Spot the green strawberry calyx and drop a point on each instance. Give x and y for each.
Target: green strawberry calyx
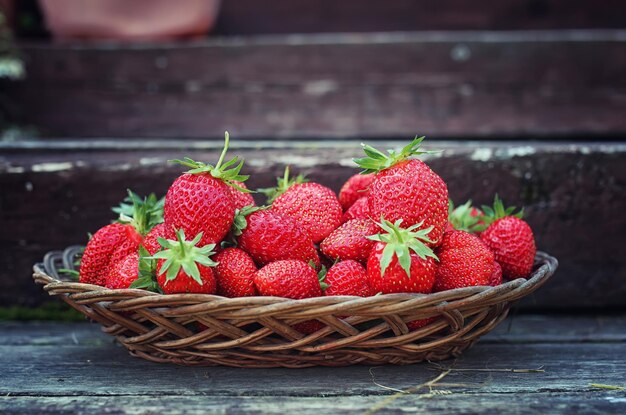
(146, 278)
(375, 160)
(321, 275)
(462, 219)
(498, 211)
(240, 221)
(399, 242)
(222, 170)
(184, 254)
(144, 214)
(282, 185)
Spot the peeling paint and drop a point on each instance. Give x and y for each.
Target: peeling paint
(481, 154)
(118, 167)
(49, 167)
(518, 151)
(320, 87)
(300, 161)
(347, 163)
(15, 169)
(146, 161)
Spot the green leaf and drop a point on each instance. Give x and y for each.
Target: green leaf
(375, 160)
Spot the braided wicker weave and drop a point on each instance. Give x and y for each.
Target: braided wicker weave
(258, 331)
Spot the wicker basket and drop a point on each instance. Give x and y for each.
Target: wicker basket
(258, 331)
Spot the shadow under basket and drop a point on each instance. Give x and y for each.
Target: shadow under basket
(202, 329)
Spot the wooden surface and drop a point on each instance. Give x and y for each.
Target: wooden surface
(449, 84)
(287, 16)
(73, 368)
(574, 194)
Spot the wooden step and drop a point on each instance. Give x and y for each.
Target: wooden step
(573, 194)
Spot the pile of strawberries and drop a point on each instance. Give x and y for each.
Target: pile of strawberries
(391, 229)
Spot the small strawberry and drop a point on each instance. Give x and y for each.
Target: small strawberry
(313, 206)
(466, 218)
(235, 273)
(406, 189)
(269, 236)
(354, 188)
(124, 272)
(464, 261)
(347, 278)
(200, 200)
(496, 276)
(241, 199)
(511, 240)
(184, 267)
(401, 261)
(114, 242)
(289, 279)
(349, 241)
(359, 210)
(151, 241)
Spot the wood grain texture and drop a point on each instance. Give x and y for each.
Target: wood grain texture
(51, 199)
(478, 84)
(72, 368)
(285, 16)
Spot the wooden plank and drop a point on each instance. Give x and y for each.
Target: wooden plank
(352, 85)
(284, 16)
(595, 402)
(48, 201)
(109, 370)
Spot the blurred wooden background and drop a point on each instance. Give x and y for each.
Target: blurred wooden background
(527, 98)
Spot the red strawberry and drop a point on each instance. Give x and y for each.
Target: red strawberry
(354, 188)
(290, 279)
(359, 210)
(347, 278)
(97, 255)
(241, 199)
(269, 236)
(464, 261)
(511, 240)
(418, 324)
(200, 200)
(349, 241)
(235, 273)
(184, 267)
(466, 218)
(400, 262)
(496, 276)
(114, 242)
(122, 273)
(162, 230)
(406, 189)
(313, 206)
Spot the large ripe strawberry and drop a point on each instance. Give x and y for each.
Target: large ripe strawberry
(235, 273)
(406, 189)
(347, 278)
(464, 261)
(400, 261)
(354, 188)
(359, 210)
(289, 278)
(511, 240)
(349, 241)
(269, 236)
(313, 206)
(241, 199)
(200, 201)
(114, 242)
(185, 267)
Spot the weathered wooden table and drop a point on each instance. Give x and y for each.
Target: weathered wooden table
(530, 363)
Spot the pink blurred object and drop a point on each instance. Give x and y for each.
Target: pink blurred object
(129, 19)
